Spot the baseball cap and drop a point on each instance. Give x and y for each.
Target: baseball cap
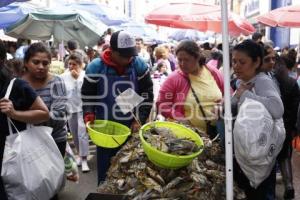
(123, 43)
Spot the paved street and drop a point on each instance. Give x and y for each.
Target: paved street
(87, 181)
(296, 169)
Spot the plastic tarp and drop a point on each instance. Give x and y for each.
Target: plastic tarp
(6, 2)
(102, 12)
(14, 12)
(61, 23)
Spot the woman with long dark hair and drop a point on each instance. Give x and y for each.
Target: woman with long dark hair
(50, 87)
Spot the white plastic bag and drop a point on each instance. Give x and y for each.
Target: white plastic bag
(32, 167)
(258, 140)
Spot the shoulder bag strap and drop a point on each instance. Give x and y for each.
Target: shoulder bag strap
(198, 102)
(7, 94)
(9, 88)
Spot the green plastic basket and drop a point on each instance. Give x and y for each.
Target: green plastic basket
(108, 134)
(166, 160)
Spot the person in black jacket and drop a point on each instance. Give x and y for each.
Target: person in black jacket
(290, 96)
(275, 66)
(23, 106)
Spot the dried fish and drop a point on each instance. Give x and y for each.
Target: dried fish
(121, 184)
(126, 157)
(132, 192)
(155, 175)
(199, 178)
(148, 182)
(211, 164)
(172, 183)
(166, 141)
(131, 172)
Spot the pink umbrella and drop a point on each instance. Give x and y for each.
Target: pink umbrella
(197, 16)
(284, 17)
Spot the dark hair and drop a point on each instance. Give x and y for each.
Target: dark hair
(220, 46)
(282, 76)
(266, 49)
(160, 64)
(206, 46)
(109, 31)
(252, 49)
(256, 36)
(77, 57)
(292, 54)
(72, 44)
(5, 73)
(192, 49)
(36, 48)
(16, 66)
(217, 55)
(289, 61)
(280, 69)
(139, 39)
(2, 52)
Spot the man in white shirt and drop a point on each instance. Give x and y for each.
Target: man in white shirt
(142, 52)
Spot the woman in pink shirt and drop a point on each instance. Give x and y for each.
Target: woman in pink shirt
(178, 101)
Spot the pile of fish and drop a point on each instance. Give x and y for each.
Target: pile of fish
(132, 174)
(166, 141)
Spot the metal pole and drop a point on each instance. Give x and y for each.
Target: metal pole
(227, 100)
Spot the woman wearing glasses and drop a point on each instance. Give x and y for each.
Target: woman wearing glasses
(50, 88)
(276, 68)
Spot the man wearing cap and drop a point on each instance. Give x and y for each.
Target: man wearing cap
(117, 69)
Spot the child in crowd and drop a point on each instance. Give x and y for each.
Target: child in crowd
(73, 79)
(159, 76)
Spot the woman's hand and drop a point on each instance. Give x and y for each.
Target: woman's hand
(217, 110)
(242, 88)
(74, 73)
(7, 107)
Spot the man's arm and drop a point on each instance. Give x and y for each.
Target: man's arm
(89, 88)
(146, 91)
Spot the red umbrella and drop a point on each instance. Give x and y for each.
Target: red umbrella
(197, 16)
(284, 17)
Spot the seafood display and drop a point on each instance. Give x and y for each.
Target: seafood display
(132, 174)
(166, 141)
